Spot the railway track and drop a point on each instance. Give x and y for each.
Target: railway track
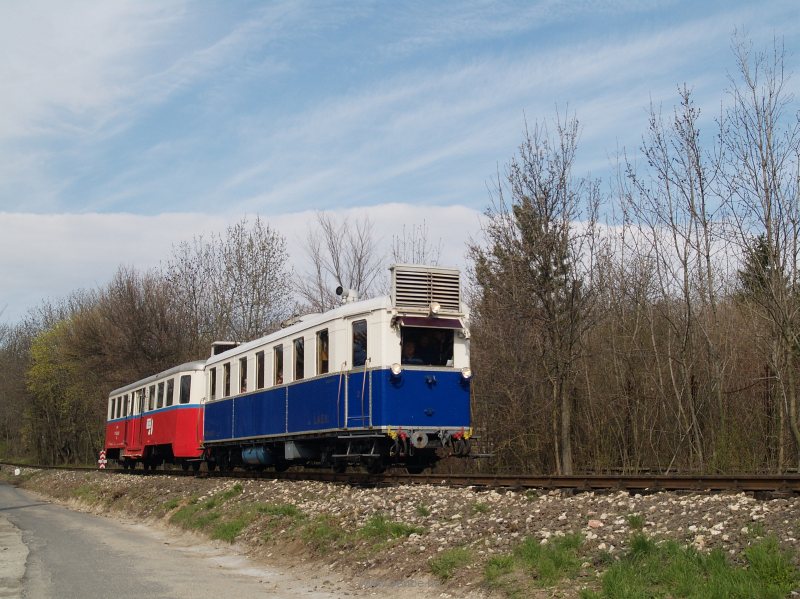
(782, 484)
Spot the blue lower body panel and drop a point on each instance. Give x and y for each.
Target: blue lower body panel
(355, 401)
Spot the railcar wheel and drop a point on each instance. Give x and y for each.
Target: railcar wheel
(415, 468)
(340, 466)
(185, 466)
(195, 466)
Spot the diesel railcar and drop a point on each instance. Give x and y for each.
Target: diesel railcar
(373, 383)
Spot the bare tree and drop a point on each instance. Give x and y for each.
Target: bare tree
(236, 285)
(762, 175)
(341, 253)
(413, 246)
(537, 269)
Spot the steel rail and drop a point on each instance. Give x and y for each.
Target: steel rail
(781, 483)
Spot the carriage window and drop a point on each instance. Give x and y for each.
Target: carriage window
(359, 343)
(213, 383)
(260, 370)
(160, 402)
(226, 378)
(170, 391)
(322, 351)
(152, 401)
(278, 364)
(110, 411)
(426, 346)
(299, 359)
(242, 375)
(186, 387)
(125, 405)
(140, 401)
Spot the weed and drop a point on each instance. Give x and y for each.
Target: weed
(286, 510)
(322, 532)
(88, 493)
(379, 528)
(447, 562)
(170, 505)
(553, 561)
(497, 567)
(230, 529)
(480, 507)
(636, 521)
(756, 529)
(423, 511)
(667, 569)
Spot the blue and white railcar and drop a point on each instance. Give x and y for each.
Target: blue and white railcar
(379, 382)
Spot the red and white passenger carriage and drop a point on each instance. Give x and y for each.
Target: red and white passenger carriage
(158, 419)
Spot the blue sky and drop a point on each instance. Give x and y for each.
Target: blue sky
(127, 126)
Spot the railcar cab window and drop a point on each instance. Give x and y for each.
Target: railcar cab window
(152, 401)
(213, 383)
(160, 403)
(359, 343)
(226, 378)
(278, 350)
(170, 391)
(426, 346)
(119, 406)
(299, 358)
(260, 370)
(322, 351)
(186, 387)
(125, 407)
(140, 401)
(242, 375)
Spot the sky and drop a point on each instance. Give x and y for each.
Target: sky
(129, 126)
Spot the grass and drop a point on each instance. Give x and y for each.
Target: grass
(423, 511)
(279, 510)
(636, 521)
(378, 528)
(448, 561)
(666, 569)
(88, 493)
(206, 515)
(323, 532)
(535, 564)
(480, 507)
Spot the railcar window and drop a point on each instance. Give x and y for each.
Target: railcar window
(242, 375)
(299, 359)
(278, 364)
(119, 406)
(426, 346)
(186, 387)
(140, 401)
(260, 370)
(125, 405)
(226, 378)
(170, 391)
(152, 401)
(213, 383)
(322, 351)
(359, 343)
(160, 402)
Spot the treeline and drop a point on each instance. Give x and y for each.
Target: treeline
(651, 326)
(665, 337)
(60, 363)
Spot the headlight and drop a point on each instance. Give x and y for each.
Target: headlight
(466, 372)
(396, 369)
(435, 307)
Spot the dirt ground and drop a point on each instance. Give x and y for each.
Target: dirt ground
(401, 538)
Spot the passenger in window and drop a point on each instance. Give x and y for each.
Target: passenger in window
(409, 355)
(426, 351)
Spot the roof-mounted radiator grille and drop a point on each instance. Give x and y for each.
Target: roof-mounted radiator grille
(417, 286)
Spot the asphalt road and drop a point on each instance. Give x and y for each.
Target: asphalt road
(48, 551)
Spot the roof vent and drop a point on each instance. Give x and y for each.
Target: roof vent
(418, 287)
